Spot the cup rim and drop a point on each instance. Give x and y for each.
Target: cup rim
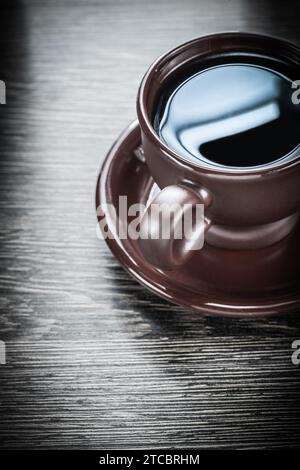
(147, 126)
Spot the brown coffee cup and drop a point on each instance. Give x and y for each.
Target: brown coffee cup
(245, 209)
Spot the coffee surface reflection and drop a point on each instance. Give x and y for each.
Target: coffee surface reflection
(234, 115)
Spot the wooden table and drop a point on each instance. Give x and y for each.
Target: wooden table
(93, 360)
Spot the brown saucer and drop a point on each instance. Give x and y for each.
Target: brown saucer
(256, 282)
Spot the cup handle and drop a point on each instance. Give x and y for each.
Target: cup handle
(170, 253)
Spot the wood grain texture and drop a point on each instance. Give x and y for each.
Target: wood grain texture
(94, 361)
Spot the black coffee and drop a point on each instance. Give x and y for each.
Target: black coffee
(238, 115)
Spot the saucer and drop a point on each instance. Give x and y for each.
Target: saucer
(253, 283)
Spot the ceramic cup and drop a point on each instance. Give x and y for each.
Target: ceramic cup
(246, 209)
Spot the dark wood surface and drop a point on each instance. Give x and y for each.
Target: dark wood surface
(93, 360)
